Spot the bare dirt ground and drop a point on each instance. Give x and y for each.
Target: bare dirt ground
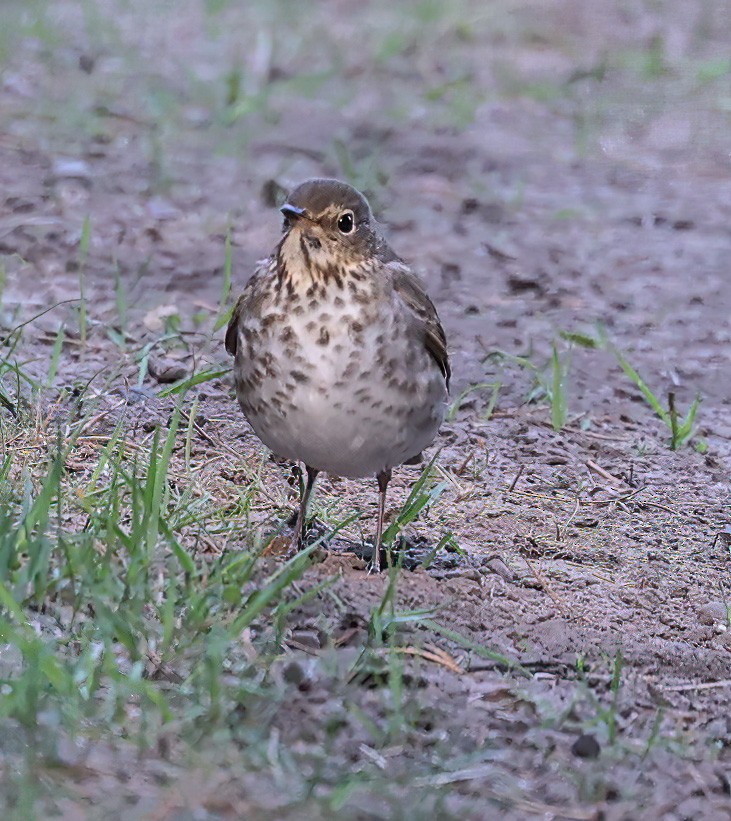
(547, 167)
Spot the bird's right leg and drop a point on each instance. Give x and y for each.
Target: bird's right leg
(384, 477)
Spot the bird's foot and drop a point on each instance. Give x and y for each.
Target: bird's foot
(376, 561)
(314, 531)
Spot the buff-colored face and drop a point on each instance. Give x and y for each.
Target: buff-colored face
(327, 221)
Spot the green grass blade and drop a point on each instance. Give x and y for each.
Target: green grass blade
(416, 501)
(192, 381)
(83, 253)
(645, 390)
(224, 314)
(685, 430)
(55, 355)
(559, 408)
(455, 406)
(476, 648)
(273, 587)
(582, 340)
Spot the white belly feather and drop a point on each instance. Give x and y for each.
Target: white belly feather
(357, 411)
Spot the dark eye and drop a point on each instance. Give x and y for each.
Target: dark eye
(346, 222)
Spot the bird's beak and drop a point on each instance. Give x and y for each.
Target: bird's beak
(292, 211)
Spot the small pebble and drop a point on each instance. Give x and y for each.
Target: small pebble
(497, 565)
(586, 746)
(166, 370)
(293, 673)
(713, 612)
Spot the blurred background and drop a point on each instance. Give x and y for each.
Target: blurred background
(545, 166)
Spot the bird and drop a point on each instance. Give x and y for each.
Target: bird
(340, 358)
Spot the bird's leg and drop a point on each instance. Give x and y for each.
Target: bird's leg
(298, 539)
(384, 477)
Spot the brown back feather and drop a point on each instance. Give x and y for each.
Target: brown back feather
(412, 291)
(250, 300)
(232, 331)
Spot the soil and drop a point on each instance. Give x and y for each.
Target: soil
(579, 191)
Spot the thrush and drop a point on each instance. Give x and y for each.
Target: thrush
(340, 360)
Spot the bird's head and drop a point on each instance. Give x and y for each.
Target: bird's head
(326, 223)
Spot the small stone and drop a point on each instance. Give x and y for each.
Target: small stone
(64, 167)
(293, 673)
(166, 370)
(713, 612)
(586, 746)
(356, 562)
(309, 639)
(498, 566)
(86, 63)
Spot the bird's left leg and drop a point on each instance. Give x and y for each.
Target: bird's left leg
(384, 477)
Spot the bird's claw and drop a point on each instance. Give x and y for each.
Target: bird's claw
(375, 565)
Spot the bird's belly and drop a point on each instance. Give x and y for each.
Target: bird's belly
(350, 440)
(349, 412)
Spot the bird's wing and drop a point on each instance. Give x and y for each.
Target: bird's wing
(413, 294)
(249, 301)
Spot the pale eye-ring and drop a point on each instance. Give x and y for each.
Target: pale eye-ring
(346, 222)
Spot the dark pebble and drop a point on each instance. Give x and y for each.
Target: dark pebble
(586, 746)
(293, 673)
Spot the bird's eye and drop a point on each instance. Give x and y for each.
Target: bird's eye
(346, 222)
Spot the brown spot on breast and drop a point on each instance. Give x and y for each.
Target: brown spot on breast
(271, 319)
(298, 376)
(324, 337)
(310, 326)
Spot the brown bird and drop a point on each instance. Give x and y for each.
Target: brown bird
(340, 357)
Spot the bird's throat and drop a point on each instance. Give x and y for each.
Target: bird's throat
(305, 261)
